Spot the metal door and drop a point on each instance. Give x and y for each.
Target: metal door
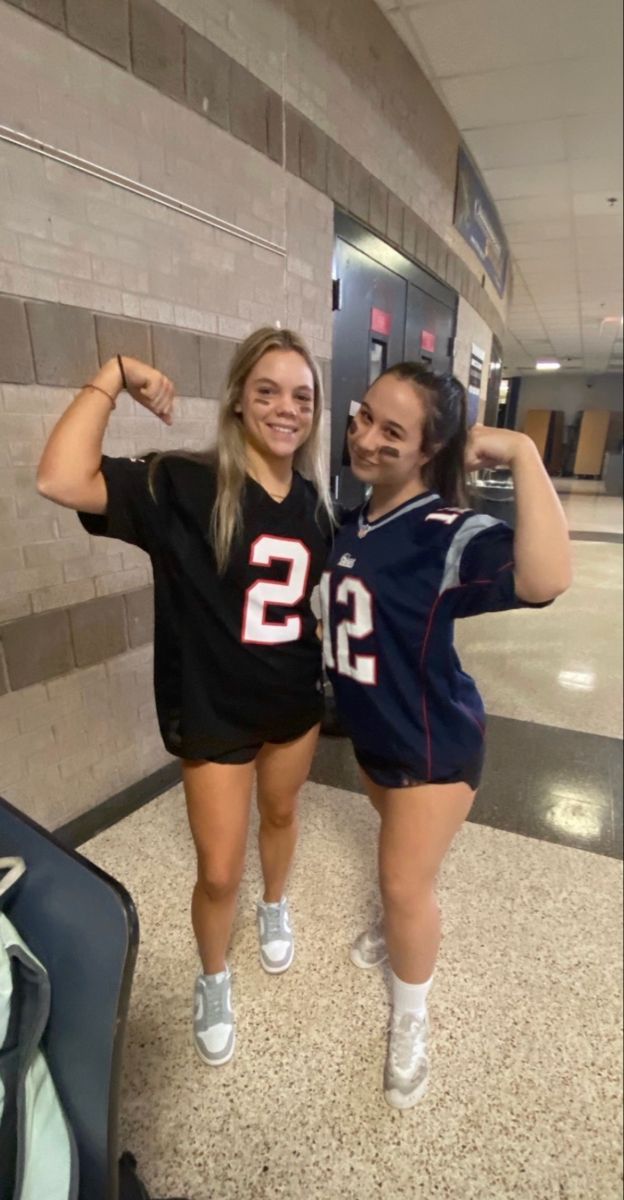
(429, 329)
(369, 333)
(386, 309)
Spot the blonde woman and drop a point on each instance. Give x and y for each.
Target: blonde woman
(238, 538)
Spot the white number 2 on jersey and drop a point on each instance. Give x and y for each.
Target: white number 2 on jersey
(264, 552)
(350, 591)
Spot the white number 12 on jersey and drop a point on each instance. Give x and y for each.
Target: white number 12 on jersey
(350, 591)
(264, 552)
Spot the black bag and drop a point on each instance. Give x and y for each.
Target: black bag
(130, 1186)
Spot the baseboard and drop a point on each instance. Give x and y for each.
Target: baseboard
(77, 831)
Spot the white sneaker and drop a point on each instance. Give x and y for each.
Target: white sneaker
(277, 944)
(213, 1024)
(406, 1073)
(369, 949)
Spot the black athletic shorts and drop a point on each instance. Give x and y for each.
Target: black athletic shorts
(400, 775)
(247, 752)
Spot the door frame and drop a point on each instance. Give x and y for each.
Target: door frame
(361, 238)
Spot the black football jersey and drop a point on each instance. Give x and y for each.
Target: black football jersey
(237, 659)
(390, 596)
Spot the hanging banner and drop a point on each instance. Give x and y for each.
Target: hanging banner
(478, 222)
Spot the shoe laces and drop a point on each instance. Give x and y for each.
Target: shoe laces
(215, 1002)
(273, 917)
(406, 1044)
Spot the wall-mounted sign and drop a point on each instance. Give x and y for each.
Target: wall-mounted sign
(428, 342)
(478, 222)
(477, 358)
(381, 322)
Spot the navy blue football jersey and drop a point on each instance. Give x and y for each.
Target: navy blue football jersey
(237, 659)
(390, 596)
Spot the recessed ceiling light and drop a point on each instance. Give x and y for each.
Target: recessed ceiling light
(547, 366)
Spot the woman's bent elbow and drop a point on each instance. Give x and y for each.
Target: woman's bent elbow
(545, 591)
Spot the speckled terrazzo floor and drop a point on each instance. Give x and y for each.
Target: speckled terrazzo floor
(525, 1096)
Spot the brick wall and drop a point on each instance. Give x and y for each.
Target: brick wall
(251, 112)
(344, 68)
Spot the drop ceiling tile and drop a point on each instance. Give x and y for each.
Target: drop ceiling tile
(485, 34)
(529, 144)
(547, 179)
(595, 136)
(594, 174)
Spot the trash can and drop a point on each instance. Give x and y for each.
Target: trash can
(492, 492)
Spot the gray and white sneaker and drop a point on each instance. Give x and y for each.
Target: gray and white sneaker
(277, 944)
(407, 1063)
(369, 949)
(213, 1024)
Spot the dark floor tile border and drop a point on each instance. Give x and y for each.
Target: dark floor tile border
(530, 769)
(79, 830)
(497, 804)
(582, 535)
(160, 49)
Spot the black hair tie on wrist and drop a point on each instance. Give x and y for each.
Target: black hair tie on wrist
(124, 381)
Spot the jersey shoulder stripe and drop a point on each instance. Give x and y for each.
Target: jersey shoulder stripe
(471, 527)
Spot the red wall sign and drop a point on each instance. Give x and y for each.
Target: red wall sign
(381, 322)
(428, 342)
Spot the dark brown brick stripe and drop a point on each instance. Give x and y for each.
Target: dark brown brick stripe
(63, 345)
(152, 43)
(43, 646)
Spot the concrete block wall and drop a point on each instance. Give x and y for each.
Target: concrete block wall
(472, 330)
(253, 113)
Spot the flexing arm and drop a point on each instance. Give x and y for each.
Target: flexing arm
(69, 471)
(542, 564)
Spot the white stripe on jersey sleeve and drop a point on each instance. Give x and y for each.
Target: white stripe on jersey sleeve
(472, 526)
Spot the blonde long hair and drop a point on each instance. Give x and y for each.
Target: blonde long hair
(229, 454)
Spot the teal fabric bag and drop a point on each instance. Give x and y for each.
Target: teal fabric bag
(38, 1155)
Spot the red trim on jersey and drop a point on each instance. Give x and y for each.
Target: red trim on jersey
(458, 587)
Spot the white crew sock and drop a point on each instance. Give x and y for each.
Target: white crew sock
(409, 997)
(218, 978)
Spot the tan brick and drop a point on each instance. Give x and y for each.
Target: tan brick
(35, 718)
(8, 508)
(60, 259)
(80, 762)
(88, 567)
(57, 551)
(9, 729)
(27, 578)
(24, 454)
(11, 558)
(42, 763)
(15, 607)
(62, 691)
(64, 594)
